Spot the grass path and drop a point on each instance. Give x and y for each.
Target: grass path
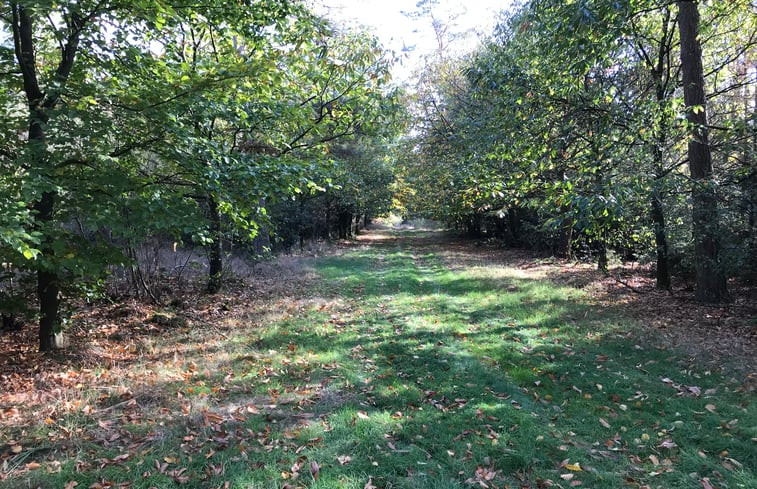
(408, 364)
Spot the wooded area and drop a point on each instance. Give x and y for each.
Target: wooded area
(585, 128)
(588, 127)
(155, 155)
(252, 123)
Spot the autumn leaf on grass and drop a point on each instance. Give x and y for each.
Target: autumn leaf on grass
(667, 443)
(604, 423)
(315, 470)
(710, 407)
(369, 484)
(344, 459)
(178, 475)
(363, 415)
(706, 483)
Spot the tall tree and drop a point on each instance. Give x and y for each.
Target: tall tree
(711, 281)
(39, 104)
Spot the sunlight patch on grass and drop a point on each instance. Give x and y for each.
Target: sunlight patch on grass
(398, 370)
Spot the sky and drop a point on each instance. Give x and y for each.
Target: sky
(412, 37)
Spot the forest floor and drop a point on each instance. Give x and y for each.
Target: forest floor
(403, 359)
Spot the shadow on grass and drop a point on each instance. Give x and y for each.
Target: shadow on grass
(426, 377)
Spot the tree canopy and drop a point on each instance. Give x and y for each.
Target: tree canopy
(568, 131)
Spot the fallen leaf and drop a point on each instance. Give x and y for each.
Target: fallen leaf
(573, 467)
(369, 484)
(667, 443)
(344, 459)
(16, 449)
(710, 407)
(362, 415)
(706, 483)
(315, 470)
(604, 423)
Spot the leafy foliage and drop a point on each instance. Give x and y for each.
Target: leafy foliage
(565, 131)
(164, 119)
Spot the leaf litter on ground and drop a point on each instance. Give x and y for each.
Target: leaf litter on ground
(415, 362)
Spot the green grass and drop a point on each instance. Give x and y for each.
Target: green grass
(397, 369)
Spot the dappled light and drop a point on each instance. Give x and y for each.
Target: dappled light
(254, 244)
(401, 359)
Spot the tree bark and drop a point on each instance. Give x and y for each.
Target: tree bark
(603, 264)
(215, 249)
(47, 280)
(661, 242)
(710, 279)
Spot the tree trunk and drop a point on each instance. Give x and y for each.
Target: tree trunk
(710, 279)
(513, 226)
(565, 237)
(658, 211)
(39, 103)
(47, 281)
(215, 249)
(603, 264)
(344, 224)
(661, 242)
